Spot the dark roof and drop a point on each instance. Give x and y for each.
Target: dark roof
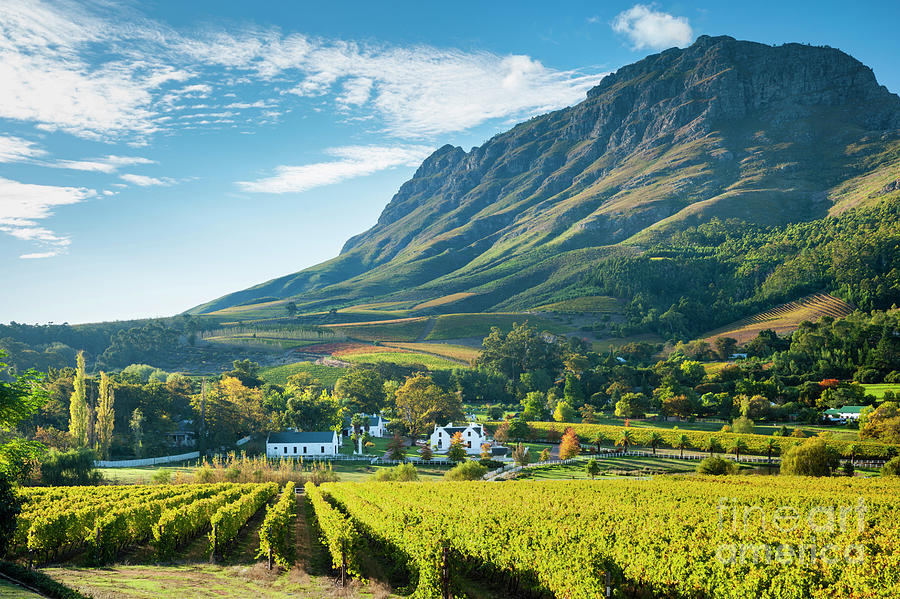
(373, 421)
(308, 437)
(452, 430)
(499, 451)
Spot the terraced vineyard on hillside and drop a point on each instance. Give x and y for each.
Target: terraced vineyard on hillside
(784, 318)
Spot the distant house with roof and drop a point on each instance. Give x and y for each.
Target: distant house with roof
(375, 427)
(292, 444)
(844, 414)
(183, 435)
(473, 437)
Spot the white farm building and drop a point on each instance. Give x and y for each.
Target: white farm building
(291, 444)
(473, 437)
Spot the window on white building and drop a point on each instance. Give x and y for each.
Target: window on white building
(285, 449)
(304, 449)
(295, 449)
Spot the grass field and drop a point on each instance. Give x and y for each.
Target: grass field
(878, 389)
(278, 375)
(594, 304)
(142, 475)
(402, 358)
(356, 472)
(784, 318)
(12, 591)
(443, 301)
(459, 326)
(258, 340)
(453, 352)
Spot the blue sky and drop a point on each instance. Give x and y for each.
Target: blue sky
(155, 155)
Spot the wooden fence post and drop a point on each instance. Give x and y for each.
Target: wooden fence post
(608, 584)
(343, 568)
(270, 558)
(215, 538)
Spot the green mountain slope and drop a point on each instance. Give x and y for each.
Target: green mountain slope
(723, 129)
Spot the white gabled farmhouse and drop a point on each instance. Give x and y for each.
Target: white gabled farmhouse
(472, 435)
(290, 444)
(375, 425)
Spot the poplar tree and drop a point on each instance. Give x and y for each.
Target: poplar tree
(79, 416)
(105, 414)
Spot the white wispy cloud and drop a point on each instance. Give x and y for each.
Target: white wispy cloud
(16, 149)
(646, 27)
(426, 91)
(350, 162)
(22, 205)
(53, 77)
(38, 255)
(145, 181)
(108, 164)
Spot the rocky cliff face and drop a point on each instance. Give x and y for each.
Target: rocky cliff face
(722, 128)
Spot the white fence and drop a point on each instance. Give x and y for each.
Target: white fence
(146, 461)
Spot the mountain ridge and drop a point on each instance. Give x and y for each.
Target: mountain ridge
(721, 129)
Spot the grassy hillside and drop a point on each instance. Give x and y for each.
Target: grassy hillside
(563, 212)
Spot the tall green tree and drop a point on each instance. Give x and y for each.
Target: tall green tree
(21, 396)
(136, 424)
(105, 415)
(79, 413)
(420, 404)
(523, 349)
(361, 390)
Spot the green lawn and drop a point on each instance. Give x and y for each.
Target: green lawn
(381, 444)
(12, 591)
(404, 359)
(878, 389)
(278, 375)
(142, 475)
(201, 580)
(355, 472)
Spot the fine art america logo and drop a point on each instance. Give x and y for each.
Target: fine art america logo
(815, 525)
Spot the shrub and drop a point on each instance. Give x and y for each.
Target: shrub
(848, 468)
(743, 425)
(867, 375)
(203, 474)
(891, 468)
(466, 471)
(10, 506)
(75, 467)
(491, 464)
(399, 473)
(892, 377)
(812, 458)
(162, 477)
(716, 465)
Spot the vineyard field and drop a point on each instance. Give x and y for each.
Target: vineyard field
(784, 318)
(665, 537)
(101, 521)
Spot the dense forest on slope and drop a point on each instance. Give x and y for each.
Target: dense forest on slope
(723, 270)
